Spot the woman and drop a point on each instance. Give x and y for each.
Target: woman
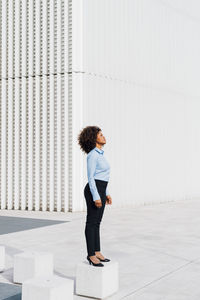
(91, 141)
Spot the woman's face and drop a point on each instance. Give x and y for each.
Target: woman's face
(101, 138)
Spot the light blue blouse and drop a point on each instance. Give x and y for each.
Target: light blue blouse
(97, 168)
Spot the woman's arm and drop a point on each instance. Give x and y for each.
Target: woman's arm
(107, 192)
(91, 167)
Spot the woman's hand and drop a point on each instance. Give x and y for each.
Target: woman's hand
(109, 199)
(98, 203)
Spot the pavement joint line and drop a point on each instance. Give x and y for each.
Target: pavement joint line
(158, 279)
(160, 252)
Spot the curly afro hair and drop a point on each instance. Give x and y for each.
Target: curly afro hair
(87, 138)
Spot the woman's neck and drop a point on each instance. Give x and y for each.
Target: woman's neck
(99, 147)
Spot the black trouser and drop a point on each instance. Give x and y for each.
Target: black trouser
(94, 216)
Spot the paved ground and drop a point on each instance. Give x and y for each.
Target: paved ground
(10, 291)
(157, 246)
(14, 224)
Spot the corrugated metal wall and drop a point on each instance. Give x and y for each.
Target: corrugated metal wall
(34, 89)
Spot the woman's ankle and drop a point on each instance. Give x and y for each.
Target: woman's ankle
(94, 258)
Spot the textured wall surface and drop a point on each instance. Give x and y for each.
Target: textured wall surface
(33, 104)
(128, 66)
(141, 72)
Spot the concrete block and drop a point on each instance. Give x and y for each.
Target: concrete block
(48, 288)
(2, 258)
(30, 264)
(97, 282)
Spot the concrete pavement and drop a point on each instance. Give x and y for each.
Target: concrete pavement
(157, 246)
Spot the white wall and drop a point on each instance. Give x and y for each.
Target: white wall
(34, 105)
(141, 86)
(128, 66)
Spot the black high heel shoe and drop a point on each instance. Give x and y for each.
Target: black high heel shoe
(96, 265)
(105, 260)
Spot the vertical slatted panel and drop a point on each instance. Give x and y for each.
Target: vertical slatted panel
(65, 128)
(51, 107)
(59, 105)
(70, 101)
(16, 115)
(30, 28)
(3, 104)
(10, 107)
(34, 105)
(44, 39)
(23, 12)
(0, 88)
(37, 104)
(55, 70)
(59, 101)
(0, 98)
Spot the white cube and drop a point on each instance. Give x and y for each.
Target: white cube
(2, 258)
(48, 288)
(97, 282)
(32, 264)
